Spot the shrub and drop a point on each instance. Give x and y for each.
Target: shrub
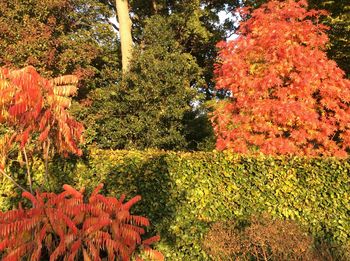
(34, 118)
(64, 226)
(264, 239)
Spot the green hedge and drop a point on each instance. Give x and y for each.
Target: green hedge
(183, 193)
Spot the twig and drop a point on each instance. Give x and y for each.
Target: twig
(12, 180)
(46, 163)
(28, 171)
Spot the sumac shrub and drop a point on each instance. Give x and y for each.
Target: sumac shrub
(66, 226)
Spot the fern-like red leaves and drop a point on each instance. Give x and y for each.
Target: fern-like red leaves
(64, 226)
(33, 107)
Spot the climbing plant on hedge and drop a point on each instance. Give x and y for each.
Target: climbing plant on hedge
(286, 96)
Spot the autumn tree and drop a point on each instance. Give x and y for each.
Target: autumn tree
(339, 22)
(286, 97)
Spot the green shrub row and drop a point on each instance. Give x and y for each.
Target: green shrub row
(183, 193)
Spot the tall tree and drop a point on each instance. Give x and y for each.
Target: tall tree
(76, 36)
(286, 96)
(134, 111)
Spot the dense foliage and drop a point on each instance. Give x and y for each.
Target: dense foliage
(75, 36)
(65, 226)
(183, 193)
(338, 19)
(58, 37)
(286, 96)
(172, 69)
(34, 112)
(149, 108)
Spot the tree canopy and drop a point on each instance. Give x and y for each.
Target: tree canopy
(287, 97)
(338, 20)
(59, 37)
(174, 55)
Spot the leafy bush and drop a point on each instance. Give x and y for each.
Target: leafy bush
(35, 109)
(34, 118)
(34, 113)
(65, 226)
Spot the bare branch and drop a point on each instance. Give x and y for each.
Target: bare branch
(12, 180)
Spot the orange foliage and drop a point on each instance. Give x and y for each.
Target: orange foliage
(286, 96)
(33, 107)
(64, 226)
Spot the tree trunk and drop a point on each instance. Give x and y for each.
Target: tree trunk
(125, 33)
(154, 6)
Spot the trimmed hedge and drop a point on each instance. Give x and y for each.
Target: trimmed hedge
(183, 193)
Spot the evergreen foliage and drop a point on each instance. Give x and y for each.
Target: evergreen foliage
(174, 56)
(148, 108)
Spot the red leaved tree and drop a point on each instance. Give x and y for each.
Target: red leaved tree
(65, 227)
(286, 96)
(33, 110)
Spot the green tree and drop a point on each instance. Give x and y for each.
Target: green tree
(76, 36)
(147, 108)
(172, 69)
